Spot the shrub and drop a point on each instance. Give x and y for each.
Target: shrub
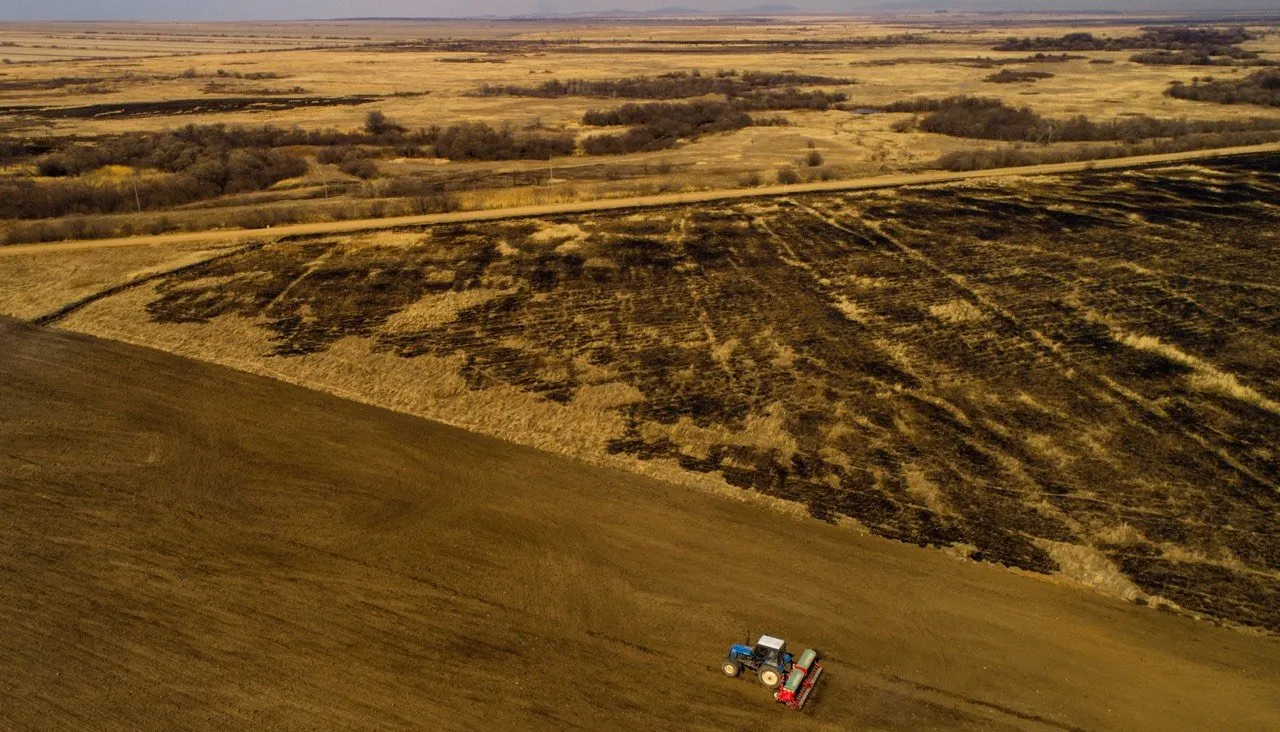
(788, 176)
(193, 174)
(479, 141)
(788, 99)
(659, 125)
(1260, 87)
(690, 115)
(377, 123)
(813, 159)
(911, 124)
(334, 155)
(749, 180)
(1007, 76)
(634, 140)
(53, 166)
(1197, 57)
(965, 116)
(360, 167)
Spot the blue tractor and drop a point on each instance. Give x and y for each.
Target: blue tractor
(768, 660)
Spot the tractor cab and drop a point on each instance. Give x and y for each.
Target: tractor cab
(771, 651)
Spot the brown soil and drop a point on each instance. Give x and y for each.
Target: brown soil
(190, 546)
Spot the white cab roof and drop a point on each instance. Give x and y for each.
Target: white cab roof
(769, 641)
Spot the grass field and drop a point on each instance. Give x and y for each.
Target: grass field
(422, 75)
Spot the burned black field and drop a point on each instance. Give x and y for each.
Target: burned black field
(1075, 374)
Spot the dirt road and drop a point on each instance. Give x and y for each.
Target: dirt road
(859, 184)
(191, 546)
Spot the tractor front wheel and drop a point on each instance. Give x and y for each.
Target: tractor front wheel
(731, 667)
(770, 677)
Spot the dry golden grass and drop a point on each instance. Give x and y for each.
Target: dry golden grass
(1204, 376)
(1085, 565)
(435, 310)
(924, 489)
(762, 430)
(34, 284)
(956, 311)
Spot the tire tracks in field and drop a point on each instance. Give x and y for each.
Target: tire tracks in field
(680, 234)
(942, 697)
(1175, 285)
(310, 267)
(1051, 347)
(62, 312)
(1166, 280)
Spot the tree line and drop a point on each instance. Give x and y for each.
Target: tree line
(1159, 45)
(660, 125)
(1260, 87)
(991, 119)
(674, 85)
(1225, 41)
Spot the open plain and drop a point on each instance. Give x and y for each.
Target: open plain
(827, 99)
(507, 380)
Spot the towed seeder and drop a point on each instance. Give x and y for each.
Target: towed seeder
(776, 668)
(800, 680)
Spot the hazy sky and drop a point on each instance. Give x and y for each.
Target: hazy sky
(298, 9)
(291, 9)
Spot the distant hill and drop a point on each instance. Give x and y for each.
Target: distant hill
(675, 10)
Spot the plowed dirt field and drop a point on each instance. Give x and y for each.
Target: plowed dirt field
(188, 546)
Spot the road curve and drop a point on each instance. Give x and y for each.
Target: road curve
(666, 199)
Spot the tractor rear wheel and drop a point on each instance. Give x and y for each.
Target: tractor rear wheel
(770, 677)
(731, 667)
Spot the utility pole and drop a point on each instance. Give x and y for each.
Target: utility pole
(136, 198)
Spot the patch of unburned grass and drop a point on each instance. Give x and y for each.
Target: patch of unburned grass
(438, 309)
(956, 311)
(1204, 376)
(34, 284)
(1085, 565)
